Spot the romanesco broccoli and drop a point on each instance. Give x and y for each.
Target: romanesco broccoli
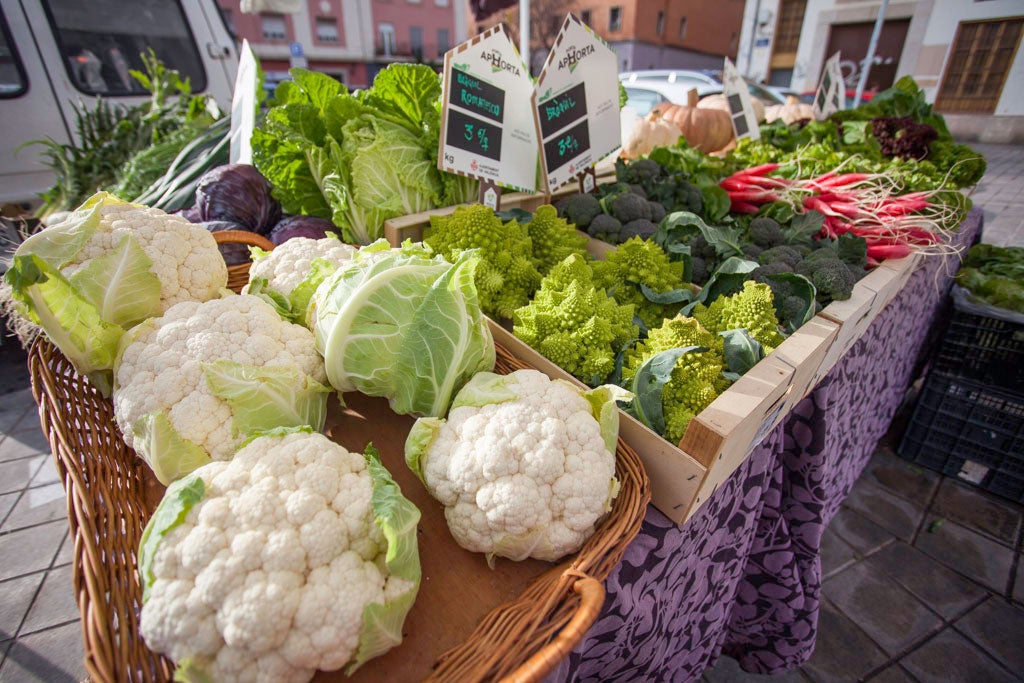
(574, 323)
(752, 309)
(506, 276)
(696, 379)
(553, 239)
(639, 262)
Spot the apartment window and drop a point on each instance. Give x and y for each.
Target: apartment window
(682, 29)
(585, 17)
(978, 65)
(327, 29)
(661, 23)
(387, 39)
(787, 28)
(615, 19)
(273, 27)
(443, 44)
(416, 41)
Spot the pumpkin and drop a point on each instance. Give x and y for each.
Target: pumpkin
(719, 101)
(708, 130)
(792, 111)
(646, 135)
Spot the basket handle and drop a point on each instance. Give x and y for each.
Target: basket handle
(591, 592)
(243, 237)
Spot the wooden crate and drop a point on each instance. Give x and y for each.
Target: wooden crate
(804, 351)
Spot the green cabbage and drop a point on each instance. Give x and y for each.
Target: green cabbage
(402, 324)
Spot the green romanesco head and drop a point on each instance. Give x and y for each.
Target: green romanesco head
(506, 276)
(696, 378)
(752, 309)
(574, 323)
(639, 262)
(553, 238)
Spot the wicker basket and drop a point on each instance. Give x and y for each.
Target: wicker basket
(111, 493)
(238, 275)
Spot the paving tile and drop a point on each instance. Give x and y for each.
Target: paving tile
(978, 510)
(13, 407)
(951, 657)
(24, 443)
(727, 670)
(55, 603)
(998, 627)
(942, 589)
(47, 474)
(17, 598)
(54, 656)
(836, 554)
(896, 515)
(968, 552)
(894, 674)
(859, 532)
(30, 550)
(37, 505)
(7, 502)
(890, 615)
(901, 477)
(842, 652)
(16, 474)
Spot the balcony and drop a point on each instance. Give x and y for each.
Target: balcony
(398, 51)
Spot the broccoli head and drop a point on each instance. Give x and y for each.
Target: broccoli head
(641, 227)
(833, 279)
(636, 263)
(639, 172)
(766, 232)
(699, 270)
(752, 251)
(605, 227)
(553, 239)
(752, 309)
(700, 247)
(760, 273)
(638, 189)
(786, 254)
(574, 323)
(561, 205)
(696, 379)
(581, 209)
(629, 207)
(657, 211)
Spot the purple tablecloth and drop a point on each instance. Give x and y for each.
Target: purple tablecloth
(743, 576)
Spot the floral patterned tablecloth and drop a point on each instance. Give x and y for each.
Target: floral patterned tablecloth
(743, 576)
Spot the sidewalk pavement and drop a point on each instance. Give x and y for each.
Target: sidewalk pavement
(923, 577)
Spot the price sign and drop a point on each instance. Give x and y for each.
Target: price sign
(576, 104)
(741, 108)
(487, 127)
(831, 95)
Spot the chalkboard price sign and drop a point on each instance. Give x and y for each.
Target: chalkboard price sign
(562, 110)
(473, 94)
(473, 135)
(567, 145)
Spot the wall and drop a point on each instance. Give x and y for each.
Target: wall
(634, 55)
(429, 15)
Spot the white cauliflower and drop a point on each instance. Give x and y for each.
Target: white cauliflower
(192, 384)
(524, 465)
(288, 265)
(106, 267)
(294, 556)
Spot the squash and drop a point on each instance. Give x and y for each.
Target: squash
(708, 130)
(646, 135)
(792, 111)
(719, 101)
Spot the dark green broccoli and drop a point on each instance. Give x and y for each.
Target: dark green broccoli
(641, 171)
(636, 188)
(752, 251)
(641, 228)
(788, 304)
(766, 232)
(700, 247)
(694, 202)
(698, 270)
(605, 227)
(629, 207)
(562, 204)
(774, 268)
(784, 253)
(581, 209)
(831, 277)
(657, 211)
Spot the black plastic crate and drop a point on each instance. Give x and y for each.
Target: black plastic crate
(970, 431)
(983, 349)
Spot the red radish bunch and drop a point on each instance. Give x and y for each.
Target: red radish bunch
(860, 203)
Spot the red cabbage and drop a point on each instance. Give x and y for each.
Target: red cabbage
(237, 193)
(234, 254)
(301, 226)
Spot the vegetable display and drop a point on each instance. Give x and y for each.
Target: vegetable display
(641, 274)
(105, 268)
(296, 555)
(403, 324)
(524, 465)
(193, 384)
(995, 275)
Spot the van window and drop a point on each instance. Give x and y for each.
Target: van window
(12, 74)
(102, 40)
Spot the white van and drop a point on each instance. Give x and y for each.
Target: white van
(56, 53)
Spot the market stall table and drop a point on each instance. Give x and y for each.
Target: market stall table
(743, 576)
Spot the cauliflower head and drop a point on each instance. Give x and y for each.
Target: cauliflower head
(553, 239)
(574, 323)
(636, 264)
(192, 384)
(752, 309)
(105, 268)
(288, 276)
(296, 555)
(524, 465)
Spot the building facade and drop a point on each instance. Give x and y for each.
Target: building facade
(963, 53)
(350, 40)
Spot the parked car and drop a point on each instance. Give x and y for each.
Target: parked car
(675, 84)
(59, 54)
